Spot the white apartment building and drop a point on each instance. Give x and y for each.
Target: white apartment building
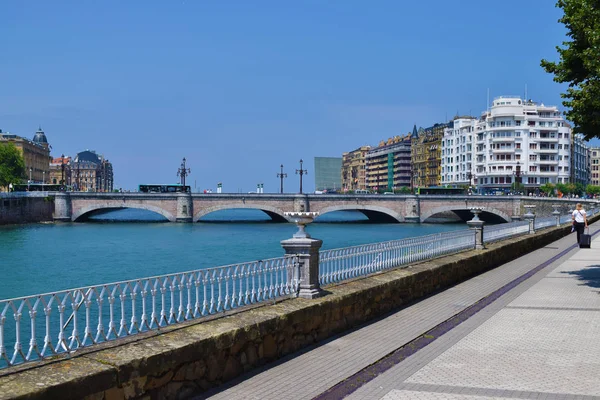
(515, 141)
(457, 166)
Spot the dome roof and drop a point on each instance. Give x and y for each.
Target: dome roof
(87, 156)
(40, 136)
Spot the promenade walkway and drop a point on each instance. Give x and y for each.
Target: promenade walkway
(528, 329)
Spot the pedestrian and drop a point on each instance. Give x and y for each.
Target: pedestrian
(579, 220)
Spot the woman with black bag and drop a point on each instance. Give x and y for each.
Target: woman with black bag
(579, 220)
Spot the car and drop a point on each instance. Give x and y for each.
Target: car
(388, 192)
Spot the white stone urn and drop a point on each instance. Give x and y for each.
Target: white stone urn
(301, 219)
(476, 211)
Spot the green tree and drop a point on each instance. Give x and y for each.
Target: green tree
(547, 188)
(579, 65)
(592, 190)
(12, 166)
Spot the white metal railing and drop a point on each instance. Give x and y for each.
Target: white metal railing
(565, 218)
(544, 222)
(35, 327)
(339, 264)
(493, 233)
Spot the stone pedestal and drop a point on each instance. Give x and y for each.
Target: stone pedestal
(530, 216)
(556, 213)
(185, 207)
(477, 225)
(62, 207)
(307, 251)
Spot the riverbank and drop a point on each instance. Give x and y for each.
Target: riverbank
(186, 359)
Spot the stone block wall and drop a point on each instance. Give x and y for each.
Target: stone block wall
(186, 360)
(16, 209)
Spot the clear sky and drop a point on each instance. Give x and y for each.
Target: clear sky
(240, 87)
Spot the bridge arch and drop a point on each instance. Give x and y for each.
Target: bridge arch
(275, 213)
(465, 212)
(374, 213)
(82, 213)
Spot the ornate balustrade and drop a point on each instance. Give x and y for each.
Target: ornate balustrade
(35, 327)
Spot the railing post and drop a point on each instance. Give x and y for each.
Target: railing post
(477, 225)
(530, 216)
(556, 213)
(307, 251)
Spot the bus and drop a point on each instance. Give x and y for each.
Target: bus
(440, 190)
(175, 188)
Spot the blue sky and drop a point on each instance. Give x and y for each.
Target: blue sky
(240, 87)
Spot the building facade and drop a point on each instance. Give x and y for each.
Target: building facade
(60, 171)
(457, 166)
(580, 160)
(521, 144)
(354, 175)
(594, 155)
(426, 151)
(35, 153)
(91, 172)
(328, 173)
(388, 164)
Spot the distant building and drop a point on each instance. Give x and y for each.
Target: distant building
(36, 154)
(595, 166)
(426, 151)
(521, 141)
(354, 174)
(328, 173)
(60, 169)
(388, 164)
(457, 166)
(580, 168)
(91, 172)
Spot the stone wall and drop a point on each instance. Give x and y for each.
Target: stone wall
(25, 208)
(186, 360)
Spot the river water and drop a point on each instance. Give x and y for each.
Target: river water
(39, 258)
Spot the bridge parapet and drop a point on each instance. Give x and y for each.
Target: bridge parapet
(185, 207)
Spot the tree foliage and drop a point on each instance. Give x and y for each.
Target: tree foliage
(579, 65)
(12, 165)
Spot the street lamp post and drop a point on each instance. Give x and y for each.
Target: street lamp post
(29, 181)
(518, 177)
(43, 179)
(62, 170)
(281, 176)
(301, 172)
(182, 172)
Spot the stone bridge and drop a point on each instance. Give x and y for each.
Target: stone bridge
(186, 207)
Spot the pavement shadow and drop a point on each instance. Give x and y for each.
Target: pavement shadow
(589, 276)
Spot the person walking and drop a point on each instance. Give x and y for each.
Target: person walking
(579, 220)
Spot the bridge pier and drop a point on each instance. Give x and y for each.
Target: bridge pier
(301, 203)
(185, 208)
(63, 210)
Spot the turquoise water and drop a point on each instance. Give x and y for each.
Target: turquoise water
(39, 258)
